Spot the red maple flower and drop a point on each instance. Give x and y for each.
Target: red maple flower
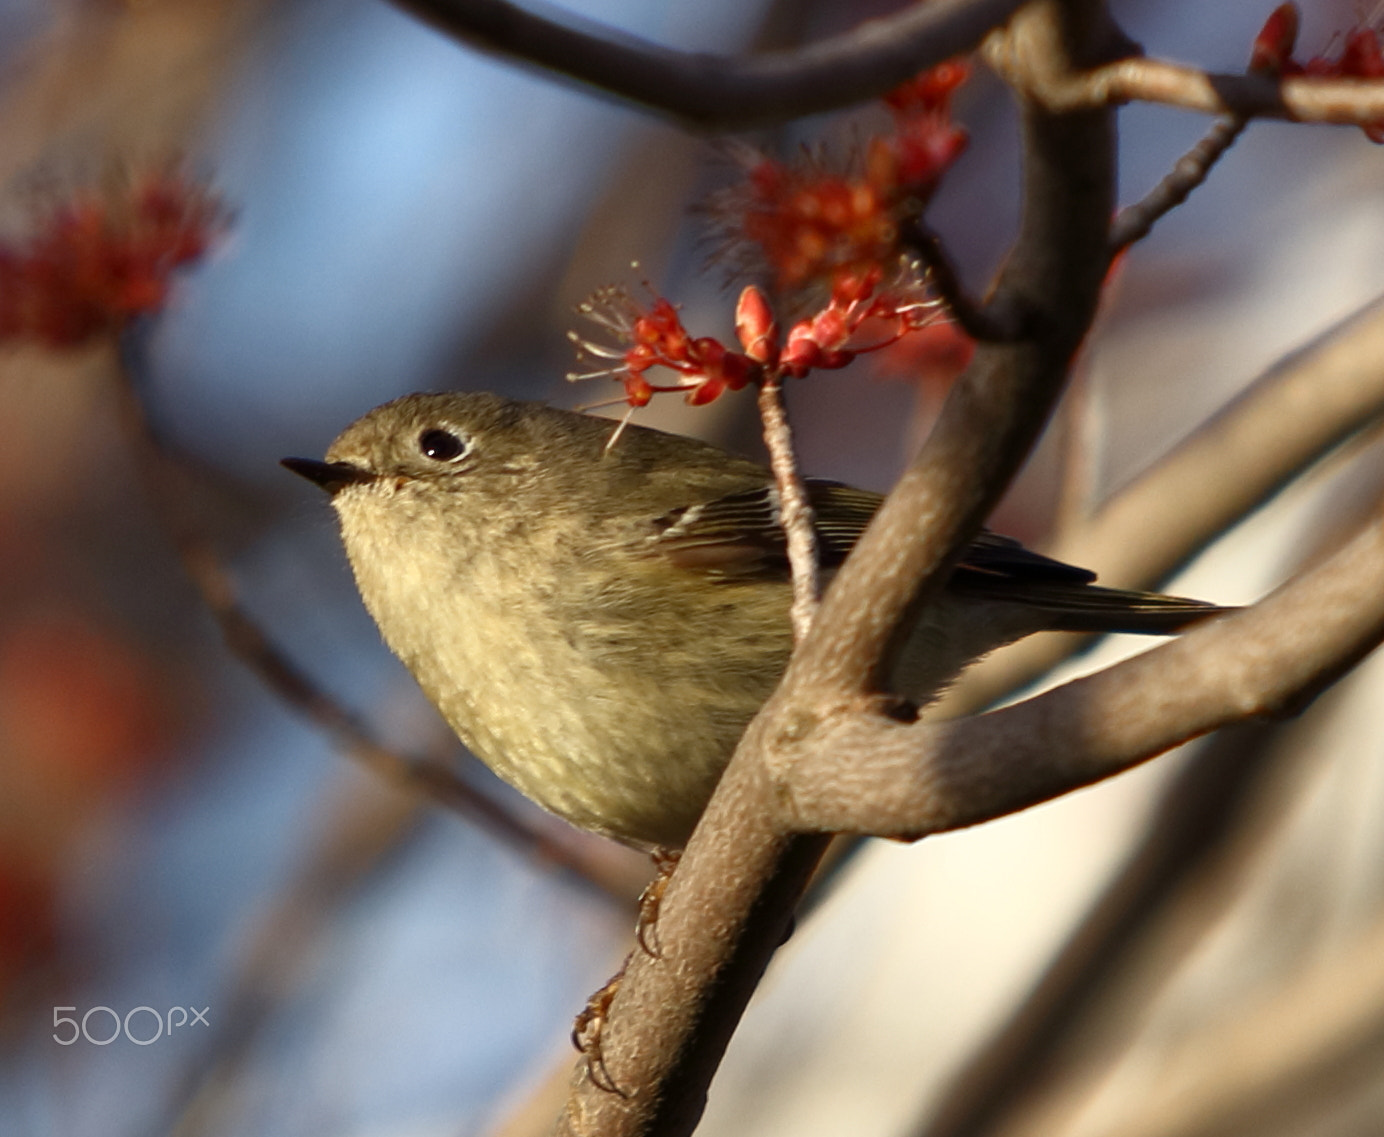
(926, 141)
(653, 336)
(816, 232)
(98, 261)
(866, 312)
(806, 224)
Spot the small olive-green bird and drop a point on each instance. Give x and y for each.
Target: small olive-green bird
(599, 623)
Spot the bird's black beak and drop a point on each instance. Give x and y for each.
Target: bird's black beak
(331, 476)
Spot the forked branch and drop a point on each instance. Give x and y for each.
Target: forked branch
(1307, 403)
(729, 903)
(887, 779)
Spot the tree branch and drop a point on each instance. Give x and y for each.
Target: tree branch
(1308, 403)
(710, 92)
(998, 408)
(795, 511)
(1134, 222)
(1350, 102)
(886, 779)
(731, 898)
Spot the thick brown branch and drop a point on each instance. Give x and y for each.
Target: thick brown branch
(991, 420)
(712, 92)
(732, 896)
(1308, 403)
(882, 778)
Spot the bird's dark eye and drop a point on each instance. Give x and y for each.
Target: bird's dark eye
(441, 445)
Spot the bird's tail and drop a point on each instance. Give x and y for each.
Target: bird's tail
(1091, 608)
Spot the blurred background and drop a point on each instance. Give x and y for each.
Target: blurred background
(411, 215)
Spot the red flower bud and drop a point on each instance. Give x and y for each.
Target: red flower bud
(756, 327)
(1273, 46)
(1361, 57)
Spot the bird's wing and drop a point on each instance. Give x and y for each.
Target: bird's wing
(739, 537)
(740, 534)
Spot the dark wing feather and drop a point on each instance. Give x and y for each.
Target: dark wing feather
(999, 568)
(733, 536)
(991, 557)
(739, 534)
(738, 537)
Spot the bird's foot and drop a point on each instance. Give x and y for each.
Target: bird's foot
(586, 1033)
(651, 899)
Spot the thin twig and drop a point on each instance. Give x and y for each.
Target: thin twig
(1347, 102)
(711, 92)
(167, 481)
(1134, 222)
(795, 510)
(984, 323)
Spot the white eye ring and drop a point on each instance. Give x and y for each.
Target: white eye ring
(443, 445)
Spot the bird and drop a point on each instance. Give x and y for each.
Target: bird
(598, 623)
